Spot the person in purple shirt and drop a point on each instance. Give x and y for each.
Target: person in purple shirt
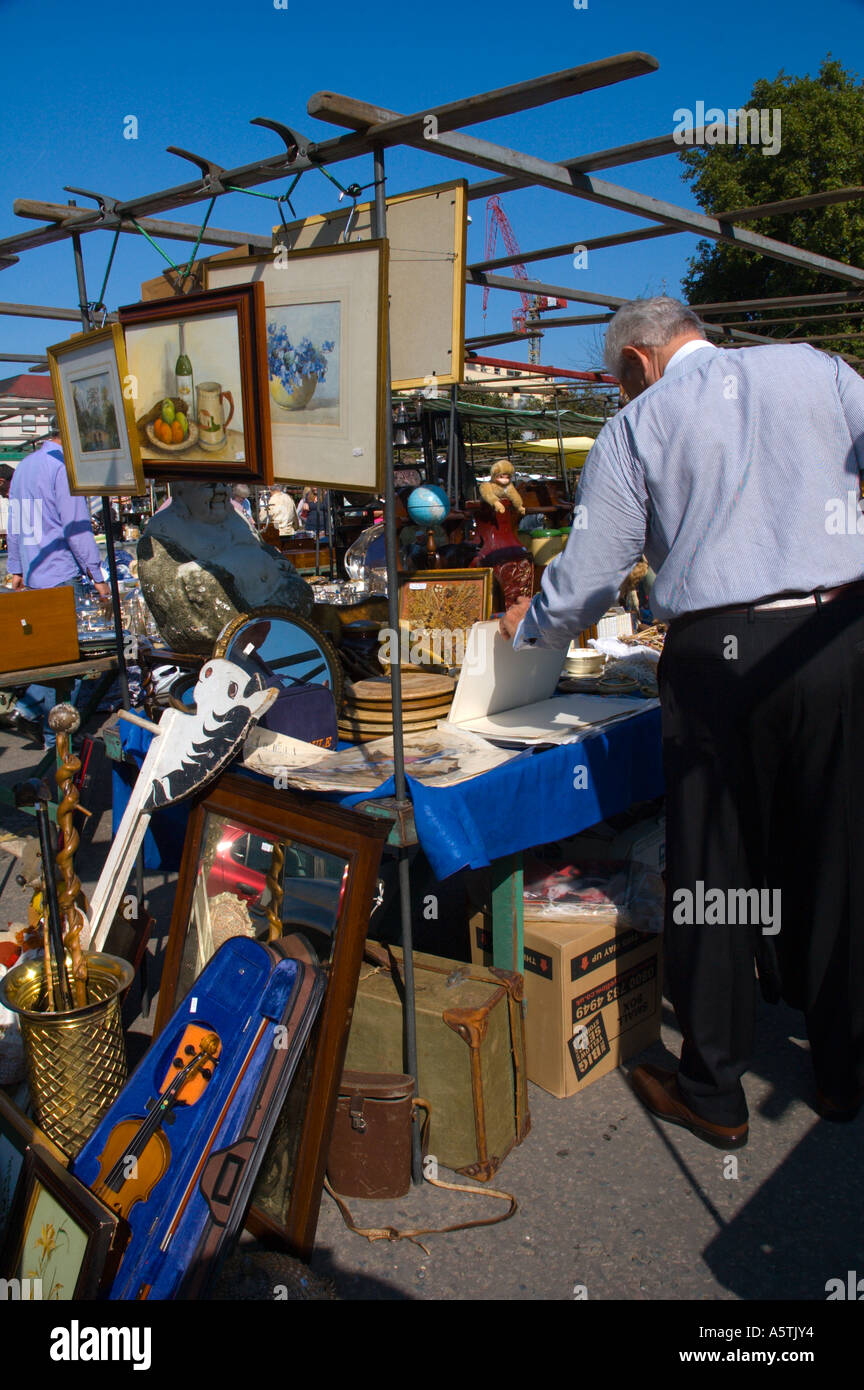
(50, 544)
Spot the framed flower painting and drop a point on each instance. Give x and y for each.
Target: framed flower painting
(326, 359)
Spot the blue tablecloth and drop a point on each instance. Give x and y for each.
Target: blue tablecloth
(537, 797)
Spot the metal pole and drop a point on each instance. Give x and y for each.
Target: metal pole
(564, 477)
(106, 501)
(392, 552)
(452, 454)
(330, 542)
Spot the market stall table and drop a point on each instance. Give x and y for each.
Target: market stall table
(536, 797)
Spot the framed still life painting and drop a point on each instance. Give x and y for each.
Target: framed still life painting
(198, 371)
(327, 380)
(96, 415)
(59, 1235)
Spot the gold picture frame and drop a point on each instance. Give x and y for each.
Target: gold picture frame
(437, 609)
(93, 397)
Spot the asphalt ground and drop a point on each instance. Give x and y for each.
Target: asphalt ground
(612, 1204)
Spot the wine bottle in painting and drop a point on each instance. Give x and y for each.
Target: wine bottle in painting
(185, 389)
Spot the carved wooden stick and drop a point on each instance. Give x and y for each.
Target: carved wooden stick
(64, 720)
(274, 883)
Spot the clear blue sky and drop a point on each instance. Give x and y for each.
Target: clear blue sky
(195, 74)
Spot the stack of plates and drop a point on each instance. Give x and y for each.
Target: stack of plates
(368, 712)
(583, 661)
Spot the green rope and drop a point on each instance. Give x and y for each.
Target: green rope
(100, 302)
(154, 244)
(184, 275)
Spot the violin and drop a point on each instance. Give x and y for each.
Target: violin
(137, 1153)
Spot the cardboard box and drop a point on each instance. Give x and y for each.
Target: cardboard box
(643, 843)
(593, 995)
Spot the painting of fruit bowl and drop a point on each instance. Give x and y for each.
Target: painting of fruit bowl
(169, 429)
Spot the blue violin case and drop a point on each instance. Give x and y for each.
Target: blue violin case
(207, 1095)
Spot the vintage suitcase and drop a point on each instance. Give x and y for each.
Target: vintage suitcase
(39, 628)
(233, 1044)
(470, 1052)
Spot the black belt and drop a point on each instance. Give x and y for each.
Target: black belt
(815, 599)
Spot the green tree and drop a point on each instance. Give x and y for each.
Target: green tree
(822, 147)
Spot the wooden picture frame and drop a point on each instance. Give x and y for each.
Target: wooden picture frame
(427, 229)
(334, 300)
(58, 1230)
(436, 606)
(287, 1195)
(222, 336)
(18, 1133)
(96, 414)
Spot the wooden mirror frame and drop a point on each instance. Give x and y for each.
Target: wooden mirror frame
(359, 840)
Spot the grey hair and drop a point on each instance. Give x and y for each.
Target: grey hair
(648, 323)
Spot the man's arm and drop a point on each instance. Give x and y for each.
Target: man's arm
(607, 539)
(851, 390)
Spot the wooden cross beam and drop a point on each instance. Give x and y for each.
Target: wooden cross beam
(411, 130)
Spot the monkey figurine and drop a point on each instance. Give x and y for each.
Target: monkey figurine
(501, 485)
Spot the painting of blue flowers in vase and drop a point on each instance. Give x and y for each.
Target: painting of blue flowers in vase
(303, 357)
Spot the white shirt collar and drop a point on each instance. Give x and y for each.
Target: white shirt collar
(684, 351)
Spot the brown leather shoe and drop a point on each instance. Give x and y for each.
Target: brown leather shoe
(839, 1110)
(658, 1090)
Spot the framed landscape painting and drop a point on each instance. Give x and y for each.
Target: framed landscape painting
(198, 370)
(95, 413)
(326, 370)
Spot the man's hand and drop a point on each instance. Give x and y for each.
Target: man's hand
(16, 581)
(103, 590)
(510, 621)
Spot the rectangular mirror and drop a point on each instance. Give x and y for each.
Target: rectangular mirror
(262, 863)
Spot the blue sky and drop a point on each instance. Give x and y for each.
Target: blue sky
(195, 74)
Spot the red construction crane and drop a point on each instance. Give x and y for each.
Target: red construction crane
(532, 305)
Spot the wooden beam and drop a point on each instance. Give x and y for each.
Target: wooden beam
(598, 243)
(810, 200)
(41, 311)
(503, 101)
(62, 214)
(510, 282)
(793, 301)
(611, 158)
(469, 150)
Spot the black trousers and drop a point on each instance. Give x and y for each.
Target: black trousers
(763, 747)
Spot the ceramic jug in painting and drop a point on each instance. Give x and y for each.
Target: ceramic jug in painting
(211, 421)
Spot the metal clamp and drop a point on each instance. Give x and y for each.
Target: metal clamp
(108, 206)
(296, 145)
(211, 174)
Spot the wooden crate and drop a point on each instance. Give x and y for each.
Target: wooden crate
(39, 628)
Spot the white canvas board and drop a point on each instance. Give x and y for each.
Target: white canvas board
(564, 719)
(494, 677)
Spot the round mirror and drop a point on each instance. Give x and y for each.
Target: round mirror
(278, 641)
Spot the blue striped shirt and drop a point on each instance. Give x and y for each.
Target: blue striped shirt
(736, 474)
